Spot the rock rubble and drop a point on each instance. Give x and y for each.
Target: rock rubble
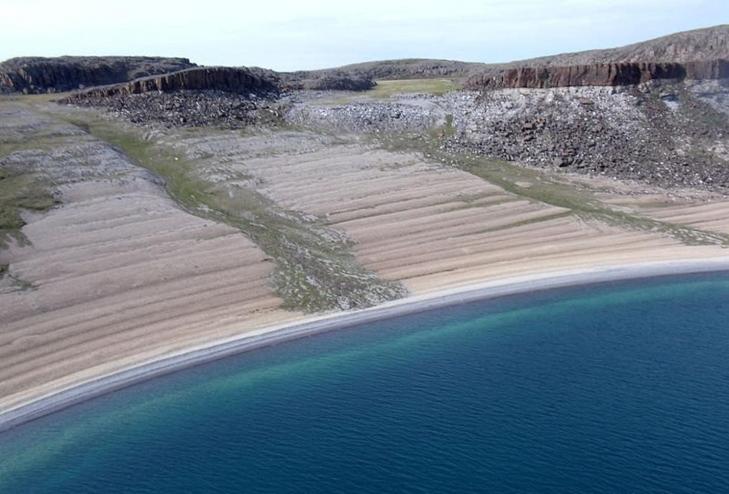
(661, 134)
(187, 108)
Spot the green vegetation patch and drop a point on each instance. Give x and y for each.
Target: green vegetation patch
(20, 191)
(315, 268)
(386, 89)
(547, 189)
(581, 202)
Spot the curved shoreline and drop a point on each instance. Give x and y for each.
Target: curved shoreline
(251, 340)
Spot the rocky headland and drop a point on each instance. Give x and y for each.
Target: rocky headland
(241, 80)
(41, 74)
(663, 119)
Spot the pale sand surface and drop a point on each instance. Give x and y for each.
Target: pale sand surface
(712, 215)
(122, 271)
(698, 209)
(124, 277)
(432, 226)
(119, 272)
(99, 382)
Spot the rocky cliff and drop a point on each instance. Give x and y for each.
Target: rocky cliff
(240, 80)
(598, 74)
(203, 96)
(40, 75)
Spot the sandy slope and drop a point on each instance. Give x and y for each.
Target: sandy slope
(697, 209)
(122, 275)
(712, 215)
(434, 226)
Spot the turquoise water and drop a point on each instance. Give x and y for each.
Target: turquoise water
(621, 387)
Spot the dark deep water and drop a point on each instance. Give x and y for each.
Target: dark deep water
(620, 387)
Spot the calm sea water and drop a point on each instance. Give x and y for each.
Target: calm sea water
(610, 388)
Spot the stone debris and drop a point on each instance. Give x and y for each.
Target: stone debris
(367, 116)
(660, 134)
(667, 133)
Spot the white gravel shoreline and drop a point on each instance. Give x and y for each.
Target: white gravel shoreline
(270, 335)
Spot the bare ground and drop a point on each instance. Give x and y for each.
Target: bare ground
(117, 273)
(120, 273)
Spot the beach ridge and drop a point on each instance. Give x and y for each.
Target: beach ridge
(76, 393)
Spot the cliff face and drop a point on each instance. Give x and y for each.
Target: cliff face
(707, 70)
(40, 75)
(227, 79)
(600, 74)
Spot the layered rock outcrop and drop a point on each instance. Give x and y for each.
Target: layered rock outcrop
(203, 96)
(707, 70)
(226, 79)
(600, 74)
(40, 75)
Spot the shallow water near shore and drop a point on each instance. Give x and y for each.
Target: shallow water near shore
(616, 387)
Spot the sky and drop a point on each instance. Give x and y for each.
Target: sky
(300, 34)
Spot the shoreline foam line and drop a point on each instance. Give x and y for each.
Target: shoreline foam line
(267, 336)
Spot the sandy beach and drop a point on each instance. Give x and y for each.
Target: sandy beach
(119, 282)
(271, 335)
(297, 261)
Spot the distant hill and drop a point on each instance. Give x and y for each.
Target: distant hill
(38, 74)
(414, 68)
(705, 44)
